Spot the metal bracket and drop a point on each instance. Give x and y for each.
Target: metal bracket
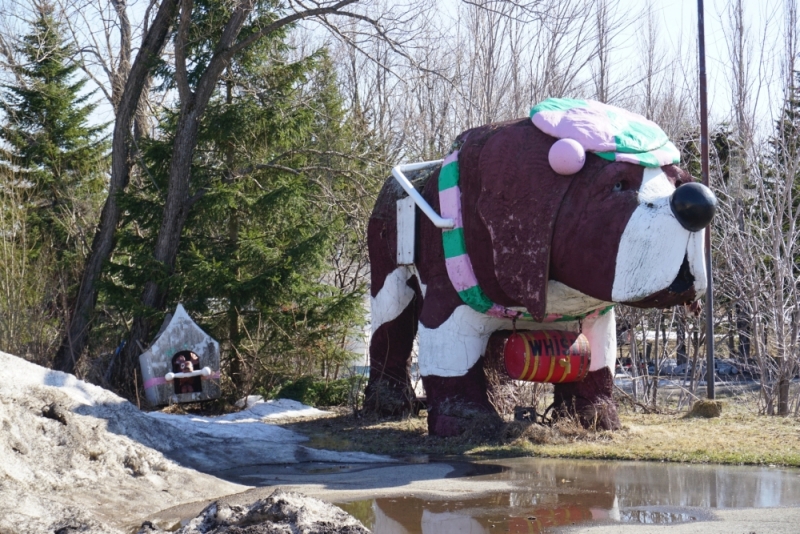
(426, 208)
(406, 231)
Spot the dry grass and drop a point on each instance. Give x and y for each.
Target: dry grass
(738, 436)
(562, 432)
(728, 439)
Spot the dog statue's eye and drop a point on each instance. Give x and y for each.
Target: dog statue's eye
(619, 186)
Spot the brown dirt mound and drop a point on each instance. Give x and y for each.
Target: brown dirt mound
(706, 408)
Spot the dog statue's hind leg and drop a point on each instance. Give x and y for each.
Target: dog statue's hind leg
(395, 305)
(389, 390)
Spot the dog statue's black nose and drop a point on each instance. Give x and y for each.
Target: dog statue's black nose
(694, 206)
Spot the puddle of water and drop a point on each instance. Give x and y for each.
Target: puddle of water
(500, 512)
(328, 470)
(557, 493)
(328, 441)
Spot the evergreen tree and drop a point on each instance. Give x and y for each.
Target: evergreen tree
(251, 263)
(782, 168)
(49, 142)
(785, 144)
(55, 163)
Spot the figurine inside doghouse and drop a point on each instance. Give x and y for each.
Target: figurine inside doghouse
(182, 364)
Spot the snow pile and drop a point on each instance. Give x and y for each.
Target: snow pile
(247, 424)
(70, 460)
(249, 437)
(74, 454)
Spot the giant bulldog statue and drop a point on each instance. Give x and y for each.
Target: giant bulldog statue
(552, 220)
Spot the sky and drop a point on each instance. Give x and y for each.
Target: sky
(678, 28)
(765, 28)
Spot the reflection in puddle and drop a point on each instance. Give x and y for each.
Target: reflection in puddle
(508, 512)
(471, 469)
(654, 517)
(554, 493)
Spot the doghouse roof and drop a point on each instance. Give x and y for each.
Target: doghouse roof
(182, 333)
(612, 133)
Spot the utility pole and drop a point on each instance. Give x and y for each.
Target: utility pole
(701, 45)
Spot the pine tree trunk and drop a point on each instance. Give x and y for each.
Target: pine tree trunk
(234, 333)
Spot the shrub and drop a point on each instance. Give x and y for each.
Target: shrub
(316, 392)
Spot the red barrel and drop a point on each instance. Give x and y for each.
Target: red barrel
(547, 356)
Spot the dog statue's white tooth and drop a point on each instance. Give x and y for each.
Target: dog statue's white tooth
(602, 335)
(695, 255)
(563, 300)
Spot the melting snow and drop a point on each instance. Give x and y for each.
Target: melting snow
(212, 444)
(250, 423)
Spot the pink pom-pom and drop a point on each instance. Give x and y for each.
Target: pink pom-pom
(566, 156)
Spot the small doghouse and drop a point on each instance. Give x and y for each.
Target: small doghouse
(182, 364)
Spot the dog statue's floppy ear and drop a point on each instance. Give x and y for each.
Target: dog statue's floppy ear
(519, 202)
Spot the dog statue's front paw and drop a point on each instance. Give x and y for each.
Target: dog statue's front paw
(590, 401)
(459, 405)
(388, 398)
(474, 422)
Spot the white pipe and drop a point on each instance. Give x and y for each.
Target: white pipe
(426, 208)
(205, 371)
